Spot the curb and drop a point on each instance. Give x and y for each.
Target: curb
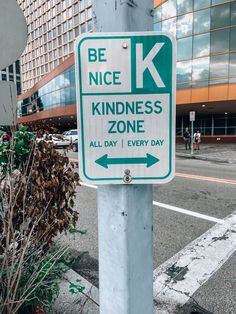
(83, 302)
(199, 157)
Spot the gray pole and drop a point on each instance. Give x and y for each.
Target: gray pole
(191, 137)
(125, 211)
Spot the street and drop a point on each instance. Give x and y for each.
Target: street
(205, 201)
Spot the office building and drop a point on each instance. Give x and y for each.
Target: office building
(205, 32)
(12, 73)
(52, 27)
(206, 62)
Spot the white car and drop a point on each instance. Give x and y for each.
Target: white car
(57, 140)
(72, 135)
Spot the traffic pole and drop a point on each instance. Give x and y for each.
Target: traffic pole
(192, 137)
(125, 214)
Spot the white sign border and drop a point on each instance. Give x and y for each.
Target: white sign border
(135, 180)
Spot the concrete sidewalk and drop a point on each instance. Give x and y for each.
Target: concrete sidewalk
(217, 152)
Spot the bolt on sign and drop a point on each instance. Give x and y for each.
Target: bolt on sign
(126, 107)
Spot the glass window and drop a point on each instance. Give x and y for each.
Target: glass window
(185, 25)
(201, 21)
(64, 38)
(70, 35)
(169, 26)
(232, 67)
(219, 1)
(157, 27)
(201, 45)
(201, 4)
(184, 71)
(220, 41)
(82, 28)
(219, 126)
(232, 45)
(81, 5)
(76, 30)
(58, 8)
(201, 69)
(220, 16)
(69, 12)
(4, 76)
(63, 16)
(89, 13)
(184, 48)
(64, 27)
(69, 23)
(184, 6)
(82, 16)
(76, 20)
(71, 47)
(157, 14)
(76, 8)
(233, 13)
(90, 25)
(17, 67)
(11, 69)
(63, 4)
(219, 66)
(168, 9)
(65, 50)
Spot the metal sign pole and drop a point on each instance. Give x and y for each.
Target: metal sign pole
(125, 211)
(192, 119)
(191, 137)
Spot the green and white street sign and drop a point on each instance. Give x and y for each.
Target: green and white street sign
(126, 107)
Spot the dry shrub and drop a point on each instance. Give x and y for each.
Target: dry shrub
(36, 203)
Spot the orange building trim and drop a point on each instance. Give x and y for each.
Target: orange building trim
(222, 92)
(49, 113)
(158, 2)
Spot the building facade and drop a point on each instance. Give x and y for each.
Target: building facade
(205, 31)
(52, 27)
(12, 73)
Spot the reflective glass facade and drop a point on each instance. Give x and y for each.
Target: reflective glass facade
(206, 57)
(59, 92)
(206, 39)
(12, 73)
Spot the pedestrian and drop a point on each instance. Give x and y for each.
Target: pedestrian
(197, 140)
(187, 139)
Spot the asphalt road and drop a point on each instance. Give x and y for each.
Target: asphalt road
(197, 189)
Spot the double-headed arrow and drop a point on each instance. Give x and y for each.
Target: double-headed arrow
(149, 160)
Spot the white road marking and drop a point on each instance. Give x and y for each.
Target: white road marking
(174, 208)
(177, 279)
(189, 212)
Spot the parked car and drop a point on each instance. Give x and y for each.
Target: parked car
(75, 145)
(71, 135)
(57, 140)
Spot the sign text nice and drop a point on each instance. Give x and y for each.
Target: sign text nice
(130, 108)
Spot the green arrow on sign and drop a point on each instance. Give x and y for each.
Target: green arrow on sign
(149, 160)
